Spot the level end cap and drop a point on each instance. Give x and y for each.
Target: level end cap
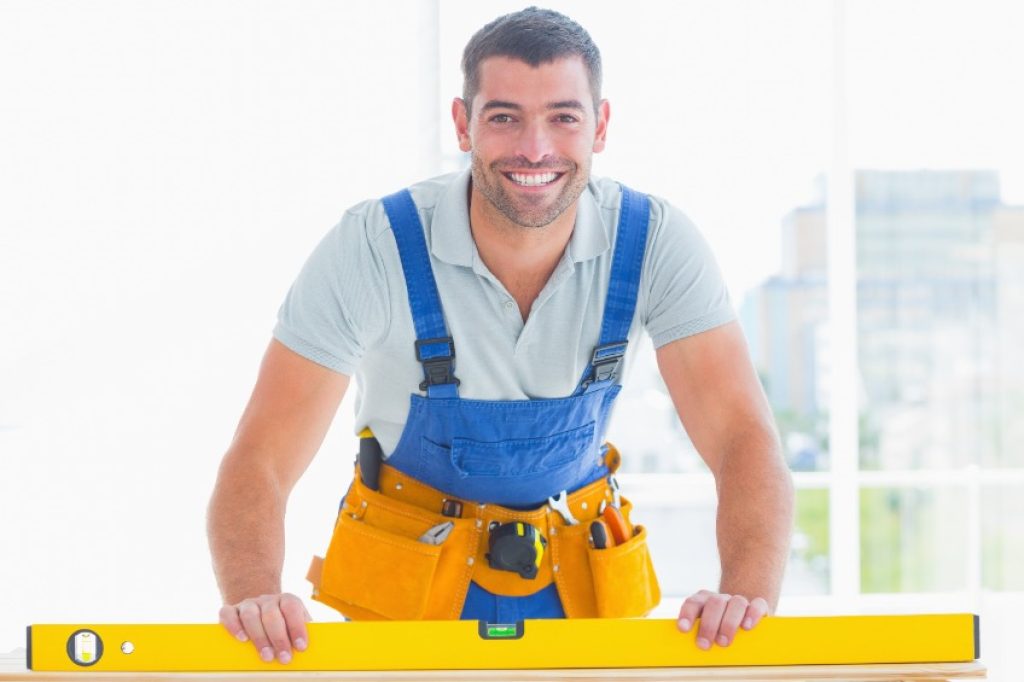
(977, 636)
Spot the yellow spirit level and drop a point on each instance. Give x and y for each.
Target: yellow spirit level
(476, 645)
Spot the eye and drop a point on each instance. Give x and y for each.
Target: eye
(567, 118)
(501, 118)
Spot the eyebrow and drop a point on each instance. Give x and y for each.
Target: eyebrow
(501, 104)
(567, 104)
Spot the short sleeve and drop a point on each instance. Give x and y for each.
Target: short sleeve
(682, 291)
(338, 306)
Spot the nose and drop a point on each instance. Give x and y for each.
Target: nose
(535, 142)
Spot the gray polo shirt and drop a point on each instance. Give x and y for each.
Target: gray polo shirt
(348, 310)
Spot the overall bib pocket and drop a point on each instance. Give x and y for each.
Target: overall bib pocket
(514, 457)
(520, 471)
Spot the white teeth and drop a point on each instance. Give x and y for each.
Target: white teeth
(533, 178)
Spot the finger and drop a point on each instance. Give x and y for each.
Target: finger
(295, 617)
(757, 610)
(277, 632)
(734, 612)
(249, 613)
(710, 619)
(691, 608)
(228, 617)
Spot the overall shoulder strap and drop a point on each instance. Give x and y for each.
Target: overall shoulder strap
(435, 349)
(620, 301)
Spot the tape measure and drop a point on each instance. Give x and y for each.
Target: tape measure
(517, 547)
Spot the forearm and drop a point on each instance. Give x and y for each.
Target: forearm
(245, 529)
(755, 516)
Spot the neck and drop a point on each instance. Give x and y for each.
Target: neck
(517, 254)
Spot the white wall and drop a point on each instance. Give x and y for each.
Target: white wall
(165, 169)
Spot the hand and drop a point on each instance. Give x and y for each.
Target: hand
(720, 615)
(274, 623)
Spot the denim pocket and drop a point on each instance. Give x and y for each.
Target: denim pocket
(516, 457)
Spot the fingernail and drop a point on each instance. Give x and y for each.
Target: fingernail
(748, 623)
(267, 654)
(684, 624)
(703, 644)
(284, 657)
(242, 637)
(300, 644)
(723, 640)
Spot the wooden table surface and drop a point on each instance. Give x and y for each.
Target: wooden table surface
(12, 667)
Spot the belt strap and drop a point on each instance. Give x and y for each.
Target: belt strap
(583, 503)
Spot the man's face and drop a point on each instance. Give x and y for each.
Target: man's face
(532, 134)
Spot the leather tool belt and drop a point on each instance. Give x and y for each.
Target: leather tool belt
(377, 566)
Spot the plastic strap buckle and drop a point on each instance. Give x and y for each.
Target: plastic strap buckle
(606, 361)
(439, 368)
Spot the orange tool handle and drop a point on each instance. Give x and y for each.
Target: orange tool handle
(616, 524)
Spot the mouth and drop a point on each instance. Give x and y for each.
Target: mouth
(544, 179)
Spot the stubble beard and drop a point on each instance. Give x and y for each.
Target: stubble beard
(529, 211)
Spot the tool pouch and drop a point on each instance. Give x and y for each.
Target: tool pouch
(377, 569)
(617, 582)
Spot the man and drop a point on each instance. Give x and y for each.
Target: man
(542, 277)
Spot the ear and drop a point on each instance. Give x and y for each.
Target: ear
(603, 113)
(461, 118)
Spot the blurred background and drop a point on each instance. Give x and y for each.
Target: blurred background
(857, 166)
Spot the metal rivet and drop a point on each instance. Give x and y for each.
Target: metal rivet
(553, 531)
(584, 505)
(398, 486)
(127, 647)
(555, 568)
(469, 561)
(479, 523)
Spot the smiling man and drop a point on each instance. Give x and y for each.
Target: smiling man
(484, 487)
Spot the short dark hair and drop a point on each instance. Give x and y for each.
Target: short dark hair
(535, 36)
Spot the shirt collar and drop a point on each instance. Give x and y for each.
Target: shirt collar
(452, 241)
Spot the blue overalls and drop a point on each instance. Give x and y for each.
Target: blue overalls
(515, 453)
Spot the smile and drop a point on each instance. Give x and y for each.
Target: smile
(533, 179)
